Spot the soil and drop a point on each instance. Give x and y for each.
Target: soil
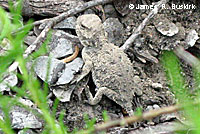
(150, 73)
(151, 81)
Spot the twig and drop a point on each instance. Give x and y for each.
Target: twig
(51, 22)
(59, 18)
(139, 29)
(135, 118)
(145, 116)
(71, 12)
(187, 57)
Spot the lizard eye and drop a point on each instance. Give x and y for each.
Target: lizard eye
(84, 26)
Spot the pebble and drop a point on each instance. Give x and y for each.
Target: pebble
(157, 85)
(165, 26)
(69, 71)
(26, 131)
(192, 37)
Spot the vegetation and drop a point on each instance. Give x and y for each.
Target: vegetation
(32, 89)
(183, 94)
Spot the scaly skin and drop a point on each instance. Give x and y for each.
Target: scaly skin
(112, 71)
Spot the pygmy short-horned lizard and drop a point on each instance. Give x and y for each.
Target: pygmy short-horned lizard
(112, 71)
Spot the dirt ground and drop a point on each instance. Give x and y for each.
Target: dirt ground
(151, 80)
(145, 55)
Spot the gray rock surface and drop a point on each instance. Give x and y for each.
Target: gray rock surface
(41, 67)
(69, 71)
(21, 118)
(165, 27)
(192, 37)
(27, 131)
(62, 94)
(9, 80)
(59, 45)
(68, 23)
(115, 31)
(64, 75)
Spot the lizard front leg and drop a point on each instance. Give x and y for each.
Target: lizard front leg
(86, 68)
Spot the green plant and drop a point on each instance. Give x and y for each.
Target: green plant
(31, 88)
(36, 93)
(177, 84)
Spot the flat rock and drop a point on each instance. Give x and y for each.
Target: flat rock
(59, 45)
(62, 94)
(29, 40)
(65, 74)
(165, 26)
(21, 118)
(115, 31)
(68, 23)
(69, 71)
(9, 80)
(41, 67)
(27, 131)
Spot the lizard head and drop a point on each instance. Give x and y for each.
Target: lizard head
(90, 30)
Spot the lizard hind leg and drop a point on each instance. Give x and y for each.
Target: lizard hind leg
(111, 95)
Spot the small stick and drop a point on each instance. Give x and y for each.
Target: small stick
(51, 22)
(135, 118)
(139, 29)
(145, 116)
(187, 57)
(73, 56)
(57, 19)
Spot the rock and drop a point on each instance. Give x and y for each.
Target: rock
(68, 23)
(26, 131)
(191, 37)
(29, 104)
(21, 118)
(122, 6)
(110, 11)
(41, 67)
(59, 45)
(29, 40)
(4, 47)
(155, 106)
(157, 86)
(9, 80)
(165, 128)
(58, 75)
(115, 31)
(62, 94)
(165, 26)
(69, 71)
(89, 11)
